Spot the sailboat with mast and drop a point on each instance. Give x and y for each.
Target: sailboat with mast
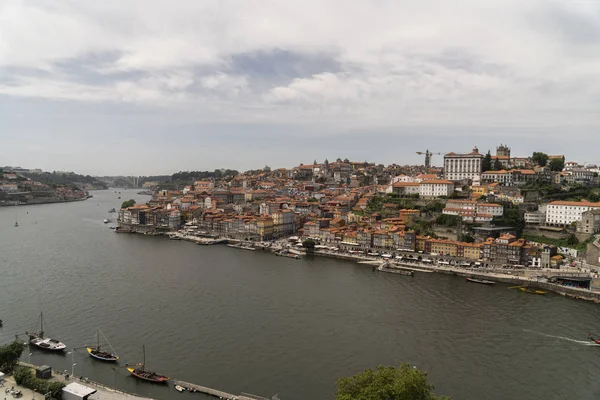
(142, 373)
(16, 218)
(37, 339)
(100, 353)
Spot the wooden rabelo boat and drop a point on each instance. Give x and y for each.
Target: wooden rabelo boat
(141, 372)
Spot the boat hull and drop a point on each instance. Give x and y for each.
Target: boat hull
(480, 281)
(112, 358)
(532, 291)
(161, 379)
(44, 345)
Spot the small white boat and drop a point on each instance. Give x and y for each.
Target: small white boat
(37, 339)
(106, 221)
(47, 343)
(180, 389)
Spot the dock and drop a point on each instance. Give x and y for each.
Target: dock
(217, 393)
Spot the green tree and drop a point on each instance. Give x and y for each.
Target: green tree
(9, 356)
(497, 165)
(387, 383)
(447, 220)
(24, 377)
(540, 158)
(486, 164)
(468, 238)
(572, 240)
(128, 203)
(557, 164)
(309, 244)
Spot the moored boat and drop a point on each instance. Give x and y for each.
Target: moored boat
(482, 281)
(37, 339)
(532, 290)
(106, 221)
(140, 372)
(99, 353)
(180, 389)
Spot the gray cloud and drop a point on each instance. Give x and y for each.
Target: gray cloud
(252, 78)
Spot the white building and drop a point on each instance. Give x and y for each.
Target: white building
(535, 218)
(458, 167)
(567, 212)
(503, 177)
(436, 188)
(402, 178)
(405, 188)
(472, 211)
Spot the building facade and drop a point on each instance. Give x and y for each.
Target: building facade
(436, 188)
(458, 167)
(566, 212)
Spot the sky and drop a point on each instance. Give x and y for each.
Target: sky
(144, 87)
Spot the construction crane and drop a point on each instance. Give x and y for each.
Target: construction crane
(428, 155)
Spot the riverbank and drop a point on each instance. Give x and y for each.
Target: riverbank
(46, 201)
(513, 279)
(102, 391)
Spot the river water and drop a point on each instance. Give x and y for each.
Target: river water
(251, 322)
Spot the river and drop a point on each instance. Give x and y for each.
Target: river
(251, 322)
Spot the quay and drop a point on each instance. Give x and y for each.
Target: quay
(217, 393)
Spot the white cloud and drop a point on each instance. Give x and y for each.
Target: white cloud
(398, 62)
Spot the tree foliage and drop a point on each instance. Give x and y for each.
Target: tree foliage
(539, 158)
(189, 176)
(375, 205)
(557, 164)
(128, 203)
(572, 240)
(10, 355)
(497, 165)
(387, 383)
(434, 206)
(61, 179)
(24, 377)
(486, 164)
(309, 244)
(447, 220)
(468, 238)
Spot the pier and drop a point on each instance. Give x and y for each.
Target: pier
(218, 393)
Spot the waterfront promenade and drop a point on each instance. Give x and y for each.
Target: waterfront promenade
(103, 392)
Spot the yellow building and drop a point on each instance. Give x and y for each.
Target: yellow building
(478, 191)
(471, 250)
(443, 247)
(265, 227)
(421, 241)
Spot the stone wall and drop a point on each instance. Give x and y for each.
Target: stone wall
(592, 255)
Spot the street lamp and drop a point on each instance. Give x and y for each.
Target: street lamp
(73, 369)
(29, 358)
(72, 353)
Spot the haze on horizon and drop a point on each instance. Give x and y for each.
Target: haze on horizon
(154, 87)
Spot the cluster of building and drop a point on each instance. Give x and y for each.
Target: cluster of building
(16, 189)
(329, 202)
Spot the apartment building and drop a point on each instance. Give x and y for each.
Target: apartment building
(566, 212)
(436, 188)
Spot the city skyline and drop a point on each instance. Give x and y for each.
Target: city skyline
(144, 89)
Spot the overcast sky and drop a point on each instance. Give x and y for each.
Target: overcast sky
(152, 86)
